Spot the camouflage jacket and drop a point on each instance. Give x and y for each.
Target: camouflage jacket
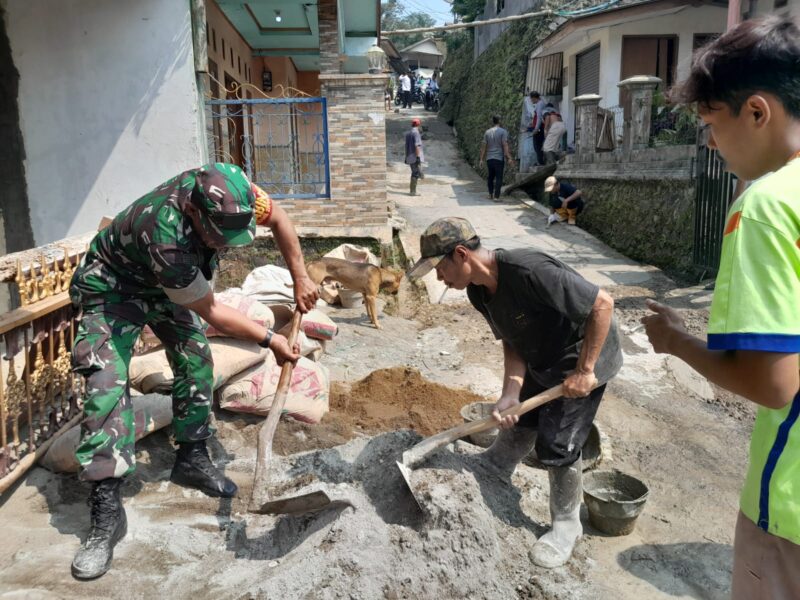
(149, 252)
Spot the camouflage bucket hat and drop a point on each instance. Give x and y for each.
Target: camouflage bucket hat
(224, 195)
(438, 240)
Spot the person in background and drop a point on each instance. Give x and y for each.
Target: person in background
(405, 90)
(414, 155)
(538, 126)
(566, 201)
(525, 149)
(554, 131)
(495, 149)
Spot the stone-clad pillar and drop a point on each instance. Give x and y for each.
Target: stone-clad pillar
(329, 61)
(638, 108)
(586, 123)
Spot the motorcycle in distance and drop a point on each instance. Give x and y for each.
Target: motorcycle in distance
(431, 100)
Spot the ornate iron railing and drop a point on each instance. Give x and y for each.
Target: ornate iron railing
(281, 143)
(40, 397)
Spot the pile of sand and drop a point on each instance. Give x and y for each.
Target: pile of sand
(384, 400)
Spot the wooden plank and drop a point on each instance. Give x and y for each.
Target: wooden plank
(26, 314)
(540, 174)
(75, 245)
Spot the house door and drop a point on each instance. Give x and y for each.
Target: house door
(649, 55)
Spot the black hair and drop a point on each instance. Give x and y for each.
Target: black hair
(496, 119)
(760, 55)
(472, 243)
(535, 95)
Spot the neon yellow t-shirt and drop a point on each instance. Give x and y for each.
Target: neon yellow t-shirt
(756, 306)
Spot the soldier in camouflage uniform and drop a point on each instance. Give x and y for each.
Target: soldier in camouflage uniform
(152, 266)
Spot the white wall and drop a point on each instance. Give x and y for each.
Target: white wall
(108, 105)
(684, 23)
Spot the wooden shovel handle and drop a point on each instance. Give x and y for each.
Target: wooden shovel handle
(420, 451)
(267, 431)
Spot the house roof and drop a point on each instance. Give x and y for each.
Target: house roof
(424, 46)
(613, 15)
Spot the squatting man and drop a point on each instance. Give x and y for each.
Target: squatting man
(556, 327)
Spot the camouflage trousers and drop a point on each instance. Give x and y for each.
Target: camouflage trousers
(102, 353)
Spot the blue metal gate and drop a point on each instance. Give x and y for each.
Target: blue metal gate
(281, 143)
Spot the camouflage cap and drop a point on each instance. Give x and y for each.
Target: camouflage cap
(439, 239)
(225, 197)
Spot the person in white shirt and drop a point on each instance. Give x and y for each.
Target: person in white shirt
(405, 90)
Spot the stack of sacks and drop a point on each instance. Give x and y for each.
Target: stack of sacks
(151, 412)
(253, 390)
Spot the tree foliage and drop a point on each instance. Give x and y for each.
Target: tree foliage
(394, 17)
(468, 10)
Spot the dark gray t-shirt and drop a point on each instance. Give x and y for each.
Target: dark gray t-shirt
(494, 139)
(540, 309)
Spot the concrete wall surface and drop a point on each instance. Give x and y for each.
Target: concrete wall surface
(108, 105)
(648, 221)
(484, 36)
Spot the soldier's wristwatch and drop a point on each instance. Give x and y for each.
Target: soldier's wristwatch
(267, 339)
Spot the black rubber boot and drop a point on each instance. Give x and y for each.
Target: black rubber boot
(109, 525)
(193, 468)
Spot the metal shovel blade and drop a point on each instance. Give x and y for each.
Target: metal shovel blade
(406, 473)
(295, 505)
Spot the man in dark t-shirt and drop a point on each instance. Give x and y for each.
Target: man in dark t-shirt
(566, 201)
(557, 328)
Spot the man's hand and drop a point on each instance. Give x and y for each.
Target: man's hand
(579, 384)
(306, 293)
(663, 327)
(504, 403)
(280, 348)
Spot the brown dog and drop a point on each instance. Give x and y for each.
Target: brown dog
(361, 277)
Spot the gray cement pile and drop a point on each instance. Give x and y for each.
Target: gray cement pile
(472, 540)
(373, 543)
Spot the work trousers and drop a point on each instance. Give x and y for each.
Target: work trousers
(102, 353)
(562, 424)
(495, 179)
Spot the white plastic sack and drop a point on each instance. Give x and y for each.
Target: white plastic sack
(354, 253)
(254, 390)
(269, 284)
(151, 372)
(151, 412)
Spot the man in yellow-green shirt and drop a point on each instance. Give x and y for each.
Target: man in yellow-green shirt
(747, 88)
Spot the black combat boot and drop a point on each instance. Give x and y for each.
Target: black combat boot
(193, 468)
(109, 525)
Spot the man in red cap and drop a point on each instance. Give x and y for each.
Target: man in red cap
(414, 155)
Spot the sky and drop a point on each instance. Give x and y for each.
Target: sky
(438, 9)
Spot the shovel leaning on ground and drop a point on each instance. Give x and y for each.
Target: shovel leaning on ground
(260, 502)
(415, 455)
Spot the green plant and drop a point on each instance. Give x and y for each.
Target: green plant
(672, 124)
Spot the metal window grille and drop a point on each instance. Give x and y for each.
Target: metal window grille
(281, 143)
(544, 74)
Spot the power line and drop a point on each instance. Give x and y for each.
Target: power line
(542, 13)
